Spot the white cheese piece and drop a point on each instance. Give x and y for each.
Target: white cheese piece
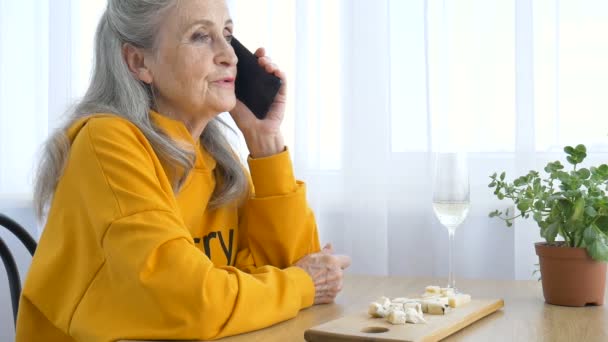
(447, 292)
(413, 316)
(429, 295)
(377, 310)
(433, 289)
(395, 306)
(396, 317)
(459, 300)
(400, 300)
(413, 305)
(437, 308)
(384, 301)
(424, 306)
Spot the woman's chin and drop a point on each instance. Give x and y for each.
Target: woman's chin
(228, 104)
(224, 106)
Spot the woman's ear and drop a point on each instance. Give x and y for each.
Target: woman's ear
(136, 62)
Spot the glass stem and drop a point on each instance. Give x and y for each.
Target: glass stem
(451, 280)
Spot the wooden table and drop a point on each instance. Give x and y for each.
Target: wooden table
(525, 316)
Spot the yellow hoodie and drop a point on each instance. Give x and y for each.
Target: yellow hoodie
(123, 257)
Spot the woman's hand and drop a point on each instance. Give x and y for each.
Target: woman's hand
(325, 269)
(263, 137)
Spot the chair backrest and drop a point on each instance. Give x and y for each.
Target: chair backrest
(14, 282)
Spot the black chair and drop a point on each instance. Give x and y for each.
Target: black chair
(14, 282)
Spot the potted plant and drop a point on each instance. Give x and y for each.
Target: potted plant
(571, 209)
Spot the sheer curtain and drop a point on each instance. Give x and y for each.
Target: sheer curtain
(375, 87)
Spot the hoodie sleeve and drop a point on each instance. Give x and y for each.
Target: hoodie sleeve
(153, 277)
(277, 226)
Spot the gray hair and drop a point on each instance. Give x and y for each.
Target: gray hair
(114, 89)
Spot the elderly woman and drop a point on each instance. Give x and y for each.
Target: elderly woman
(154, 229)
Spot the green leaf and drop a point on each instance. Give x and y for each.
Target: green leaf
(584, 173)
(538, 217)
(598, 249)
(571, 160)
(491, 185)
(590, 211)
(536, 185)
(550, 233)
(495, 213)
(581, 148)
(524, 204)
(563, 205)
(573, 227)
(590, 235)
(502, 176)
(579, 207)
(539, 205)
(602, 223)
(569, 149)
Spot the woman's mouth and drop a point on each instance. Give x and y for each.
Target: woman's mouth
(226, 82)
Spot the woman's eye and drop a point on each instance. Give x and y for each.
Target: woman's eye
(228, 38)
(199, 37)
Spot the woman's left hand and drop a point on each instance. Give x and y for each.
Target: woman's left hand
(263, 137)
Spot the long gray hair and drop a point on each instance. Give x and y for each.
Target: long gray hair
(114, 89)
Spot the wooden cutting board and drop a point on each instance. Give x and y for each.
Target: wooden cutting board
(361, 327)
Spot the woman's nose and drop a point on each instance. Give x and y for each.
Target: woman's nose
(226, 55)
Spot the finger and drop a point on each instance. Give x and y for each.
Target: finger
(328, 249)
(283, 90)
(331, 287)
(334, 275)
(325, 299)
(264, 61)
(260, 52)
(320, 278)
(343, 261)
(322, 301)
(280, 74)
(271, 68)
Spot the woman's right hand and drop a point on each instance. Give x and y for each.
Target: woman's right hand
(325, 269)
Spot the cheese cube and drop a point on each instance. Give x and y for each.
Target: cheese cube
(447, 292)
(384, 301)
(413, 305)
(400, 300)
(377, 310)
(396, 317)
(413, 316)
(437, 308)
(433, 289)
(395, 306)
(459, 300)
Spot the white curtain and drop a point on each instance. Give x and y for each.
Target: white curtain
(375, 87)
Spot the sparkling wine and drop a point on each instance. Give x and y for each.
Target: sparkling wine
(451, 214)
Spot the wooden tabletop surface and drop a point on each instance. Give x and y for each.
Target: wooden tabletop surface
(525, 316)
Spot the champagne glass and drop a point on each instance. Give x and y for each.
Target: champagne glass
(451, 197)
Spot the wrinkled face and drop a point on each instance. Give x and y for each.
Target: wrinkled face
(194, 66)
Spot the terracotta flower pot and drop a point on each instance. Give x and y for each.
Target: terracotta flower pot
(570, 276)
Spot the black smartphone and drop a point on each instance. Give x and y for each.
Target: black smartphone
(255, 87)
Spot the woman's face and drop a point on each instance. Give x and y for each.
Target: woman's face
(194, 68)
